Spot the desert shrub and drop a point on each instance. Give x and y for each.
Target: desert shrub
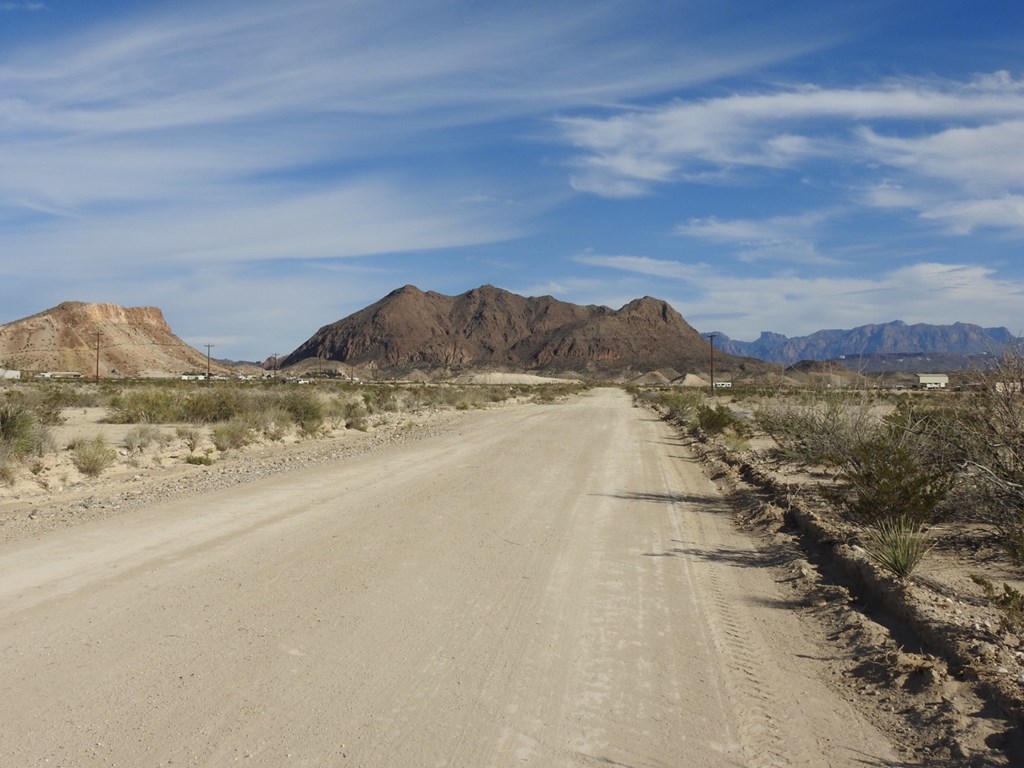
(678, 405)
(305, 408)
(7, 462)
(211, 405)
(47, 401)
(191, 436)
(897, 544)
(989, 440)
(204, 461)
(358, 423)
(379, 398)
(890, 476)
(822, 432)
(145, 405)
(1009, 601)
(681, 406)
(141, 437)
(716, 420)
(734, 441)
(352, 409)
(272, 422)
(231, 434)
(92, 455)
(22, 432)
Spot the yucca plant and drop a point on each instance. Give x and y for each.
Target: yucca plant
(897, 544)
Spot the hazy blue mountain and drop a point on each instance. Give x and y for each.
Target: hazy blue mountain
(895, 338)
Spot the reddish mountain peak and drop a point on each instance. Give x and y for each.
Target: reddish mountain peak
(490, 327)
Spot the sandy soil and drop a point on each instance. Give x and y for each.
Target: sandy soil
(555, 585)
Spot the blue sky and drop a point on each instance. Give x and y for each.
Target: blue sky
(260, 169)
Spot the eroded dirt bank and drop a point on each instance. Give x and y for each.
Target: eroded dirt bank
(554, 585)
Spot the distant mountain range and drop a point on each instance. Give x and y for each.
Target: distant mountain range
(490, 328)
(885, 340)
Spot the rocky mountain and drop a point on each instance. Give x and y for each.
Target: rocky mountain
(895, 338)
(492, 328)
(133, 341)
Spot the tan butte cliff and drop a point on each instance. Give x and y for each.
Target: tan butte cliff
(133, 341)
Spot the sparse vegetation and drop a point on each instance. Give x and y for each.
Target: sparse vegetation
(204, 461)
(22, 432)
(92, 455)
(191, 436)
(715, 420)
(143, 436)
(1008, 600)
(231, 434)
(897, 544)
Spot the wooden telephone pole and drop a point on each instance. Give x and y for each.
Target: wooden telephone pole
(97, 357)
(711, 338)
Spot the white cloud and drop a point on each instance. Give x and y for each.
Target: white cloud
(780, 238)
(966, 175)
(743, 306)
(965, 216)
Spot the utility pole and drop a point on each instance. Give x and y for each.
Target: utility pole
(208, 348)
(97, 357)
(711, 338)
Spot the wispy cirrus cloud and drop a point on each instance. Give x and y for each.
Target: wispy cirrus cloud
(892, 136)
(779, 238)
(7, 6)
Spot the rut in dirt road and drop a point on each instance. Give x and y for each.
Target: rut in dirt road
(551, 585)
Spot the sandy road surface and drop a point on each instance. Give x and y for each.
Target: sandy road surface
(554, 586)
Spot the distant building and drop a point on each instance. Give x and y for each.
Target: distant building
(8, 374)
(932, 380)
(60, 375)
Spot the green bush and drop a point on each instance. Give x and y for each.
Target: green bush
(716, 420)
(884, 478)
(146, 405)
(306, 410)
(211, 405)
(204, 461)
(92, 455)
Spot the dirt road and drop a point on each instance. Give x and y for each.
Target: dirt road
(552, 586)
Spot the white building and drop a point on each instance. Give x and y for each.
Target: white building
(8, 374)
(932, 380)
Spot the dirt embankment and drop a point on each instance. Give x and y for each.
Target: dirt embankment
(931, 649)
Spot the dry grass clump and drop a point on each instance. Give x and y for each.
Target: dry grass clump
(91, 455)
(235, 433)
(143, 436)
